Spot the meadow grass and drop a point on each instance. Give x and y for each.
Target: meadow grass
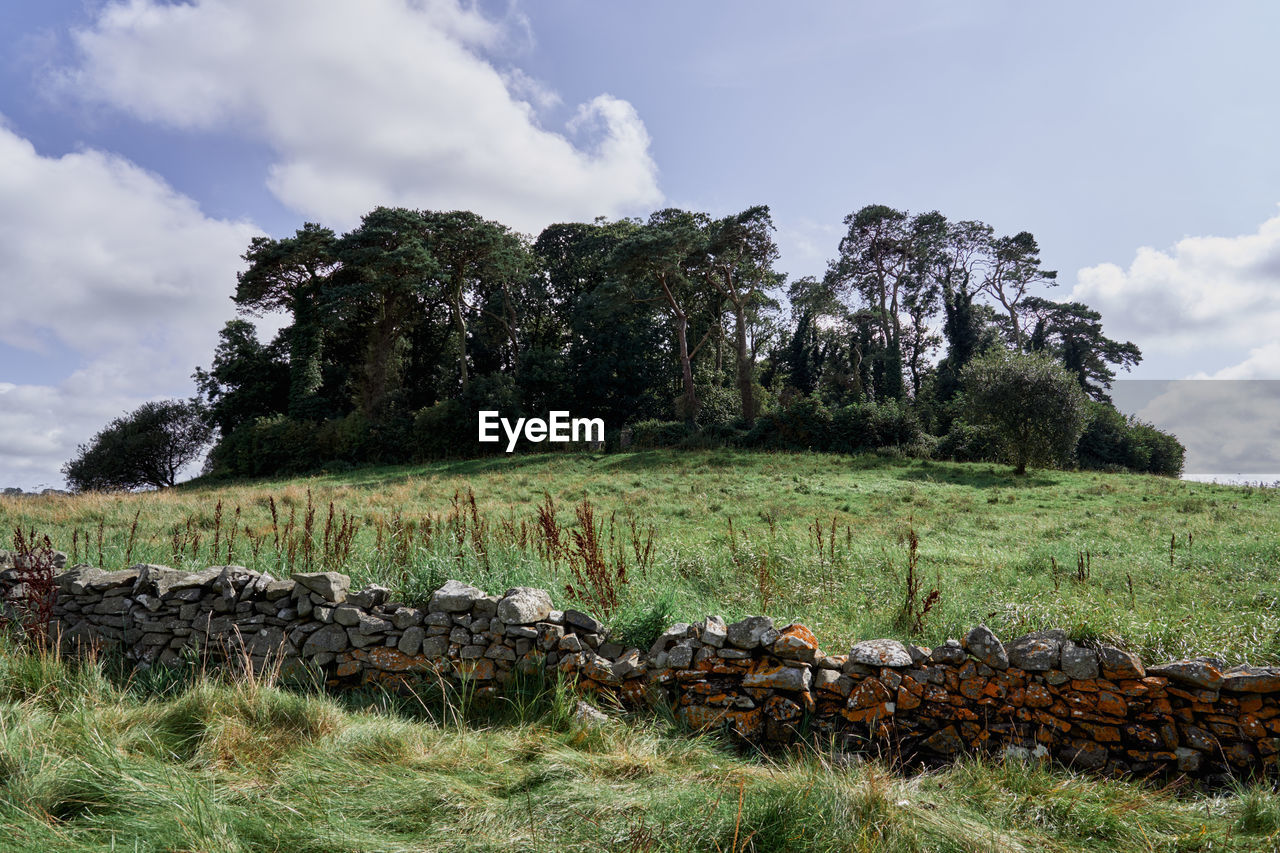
(90, 759)
(1164, 567)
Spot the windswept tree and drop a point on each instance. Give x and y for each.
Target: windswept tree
(874, 263)
(740, 257)
(147, 447)
(289, 275)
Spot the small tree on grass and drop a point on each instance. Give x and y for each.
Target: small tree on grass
(147, 447)
(1033, 403)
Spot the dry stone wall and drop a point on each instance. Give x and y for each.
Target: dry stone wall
(1039, 696)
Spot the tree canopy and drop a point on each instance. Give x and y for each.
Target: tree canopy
(147, 447)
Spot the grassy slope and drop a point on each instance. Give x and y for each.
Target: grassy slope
(91, 762)
(987, 539)
(87, 761)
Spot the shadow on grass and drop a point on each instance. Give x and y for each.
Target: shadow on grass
(978, 478)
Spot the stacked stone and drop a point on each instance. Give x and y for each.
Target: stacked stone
(1042, 695)
(1100, 710)
(749, 676)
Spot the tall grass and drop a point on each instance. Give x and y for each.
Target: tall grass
(91, 760)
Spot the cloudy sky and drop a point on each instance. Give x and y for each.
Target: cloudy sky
(143, 143)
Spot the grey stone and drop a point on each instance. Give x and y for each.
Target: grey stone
(1079, 662)
(580, 621)
(330, 638)
(332, 586)
(677, 632)
(524, 605)
(279, 589)
(406, 617)
(880, 653)
(435, 647)
(1035, 652)
(748, 633)
(714, 632)
(370, 625)
(680, 656)
(346, 615)
(779, 678)
(521, 632)
(610, 650)
(1252, 679)
(454, 597)
(986, 647)
(369, 598)
(411, 640)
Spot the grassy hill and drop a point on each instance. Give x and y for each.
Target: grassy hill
(1170, 568)
(93, 756)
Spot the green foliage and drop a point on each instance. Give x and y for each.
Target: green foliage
(1111, 441)
(805, 424)
(966, 442)
(1033, 404)
(868, 425)
(147, 447)
(650, 434)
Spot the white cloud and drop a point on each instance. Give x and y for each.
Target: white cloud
(1209, 295)
(104, 259)
(377, 102)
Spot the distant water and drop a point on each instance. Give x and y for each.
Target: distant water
(1271, 480)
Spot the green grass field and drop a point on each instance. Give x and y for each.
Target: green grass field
(93, 757)
(1173, 568)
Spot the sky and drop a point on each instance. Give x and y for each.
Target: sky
(143, 144)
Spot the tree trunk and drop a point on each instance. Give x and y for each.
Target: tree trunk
(746, 381)
(460, 323)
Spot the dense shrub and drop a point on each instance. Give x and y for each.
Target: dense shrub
(647, 435)
(1111, 441)
(268, 445)
(718, 405)
(966, 442)
(1035, 406)
(868, 425)
(803, 425)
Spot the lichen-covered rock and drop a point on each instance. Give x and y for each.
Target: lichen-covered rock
(1197, 673)
(778, 677)
(986, 647)
(331, 586)
(949, 652)
(1078, 662)
(1117, 663)
(795, 642)
(1252, 679)
(583, 622)
(748, 633)
(524, 605)
(454, 597)
(714, 632)
(1034, 652)
(880, 653)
